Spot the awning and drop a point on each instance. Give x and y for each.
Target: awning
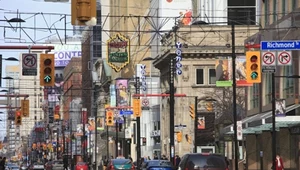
(263, 122)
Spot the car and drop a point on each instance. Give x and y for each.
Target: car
(57, 165)
(36, 166)
(23, 166)
(116, 164)
(157, 164)
(196, 161)
(81, 166)
(12, 166)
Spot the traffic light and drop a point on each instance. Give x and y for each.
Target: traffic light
(82, 11)
(192, 111)
(209, 106)
(179, 136)
(47, 70)
(18, 118)
(109, 118)
(137, 110)
(253, 68)
(25, 108)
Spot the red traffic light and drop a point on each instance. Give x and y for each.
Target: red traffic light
(254, 58)
(18, 113)
(47, 62)
(109, 114)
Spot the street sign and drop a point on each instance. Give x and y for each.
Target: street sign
(280, 45)
(268, 59)
(145, 108)
(126, 112)
(145, 102)
(284, 58)
(29, 64)
(268, 69)
(180, 126)
(239, 130)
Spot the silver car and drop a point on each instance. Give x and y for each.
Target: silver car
(58, 165)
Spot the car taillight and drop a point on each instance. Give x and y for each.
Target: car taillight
(186, 169)
(132, 167)
(112, 167)
(227, 169)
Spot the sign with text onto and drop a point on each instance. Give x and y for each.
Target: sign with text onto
(280, 45)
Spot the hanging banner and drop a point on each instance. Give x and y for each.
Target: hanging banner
(100, 123)
(223, 72)
(201, 123)
(91, 124)
(122, 95)
(280, 108)
(113, 97)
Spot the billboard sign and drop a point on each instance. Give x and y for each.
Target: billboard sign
(64, 53)
(118, 52)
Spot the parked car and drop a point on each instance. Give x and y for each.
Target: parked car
(48, 165)
(116, 164)
(157, 164)
(81, 166)
(24, 166)
(58, 165)
(36, 166)
(199, 161)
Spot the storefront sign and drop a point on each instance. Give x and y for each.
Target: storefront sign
(118, 52)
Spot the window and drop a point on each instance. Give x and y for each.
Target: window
(288, 83)
(212, 76)
(268, 88)
(199, 76)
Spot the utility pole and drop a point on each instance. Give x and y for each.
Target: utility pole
(83, 139)
(236, 146)
(195, 125)
(273, 122)
(138, 125)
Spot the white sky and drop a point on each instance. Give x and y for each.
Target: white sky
(31, 6)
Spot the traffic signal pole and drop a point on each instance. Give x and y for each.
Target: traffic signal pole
(138, 125)
(273, 123)
(236, 146)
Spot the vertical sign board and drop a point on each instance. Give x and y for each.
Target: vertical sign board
(284, 58)
(29, 64)
(268, 60)
(239, 130)
(25, 108)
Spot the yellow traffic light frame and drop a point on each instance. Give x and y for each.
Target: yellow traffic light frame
(109, 118)
(47, 70)
(25, 108)
(137, 109)
(253, 67)
(82, 11)
(179, 136)
(18, 118)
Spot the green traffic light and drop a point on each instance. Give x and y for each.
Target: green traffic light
(254, 75)
(47, 78)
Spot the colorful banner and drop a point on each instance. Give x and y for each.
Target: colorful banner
(122, 95)
(100, 123)
(84, 117)
(240, 75)
(201, 122)
(113, 97)
(91, 124)
(223, 72)
(280, 108)
(64, 53)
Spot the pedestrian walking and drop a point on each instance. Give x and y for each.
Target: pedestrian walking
(279, 163)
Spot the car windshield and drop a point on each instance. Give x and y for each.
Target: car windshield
(159, 163)
(206, 161)
(121, 161)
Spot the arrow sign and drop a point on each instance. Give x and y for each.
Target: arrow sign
(254, 75)
(47, 79)
(178, 58)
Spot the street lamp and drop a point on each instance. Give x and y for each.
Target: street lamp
(13, 20)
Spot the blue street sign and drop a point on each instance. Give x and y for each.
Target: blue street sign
(126, 112)
(280, 45)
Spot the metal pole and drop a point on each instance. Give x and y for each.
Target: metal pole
(96, 140)
(172, 147)
(63, 136)
(138, 126)
(236, 146)
(273, 122)
(107, 145)
(57, 141)
(195, 125)
(83, 141)
(117, 128)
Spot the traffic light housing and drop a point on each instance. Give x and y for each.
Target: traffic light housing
(192, 111)
(137, 110)
(253, 67)
(109, 118)
(179, 136)
(209, 106)
(82, 11)
(25, 108)
(18, 118)
(47, 70)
